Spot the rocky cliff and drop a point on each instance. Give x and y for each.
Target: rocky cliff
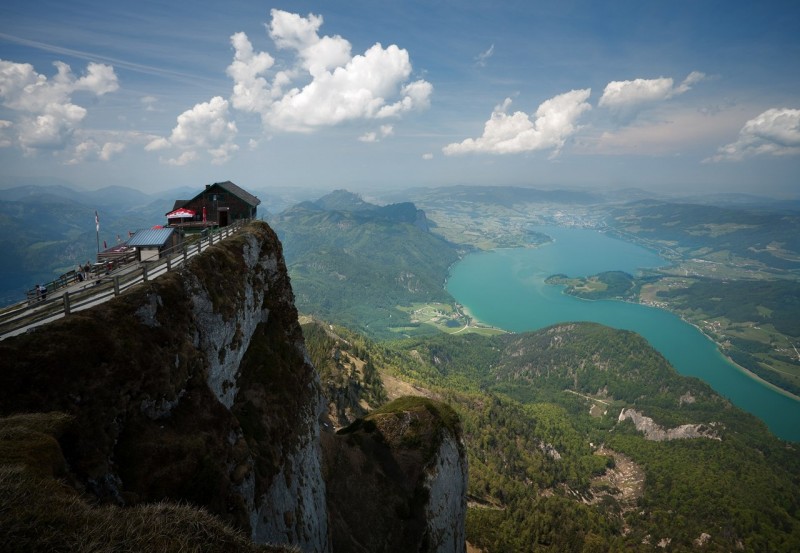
(196, 388)
(397, 480)
(657, 433)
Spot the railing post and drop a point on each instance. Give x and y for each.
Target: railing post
(116, 285)
(66, 303)
(169, 264)
(144, 273)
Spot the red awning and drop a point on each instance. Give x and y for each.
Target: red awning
(180, 213)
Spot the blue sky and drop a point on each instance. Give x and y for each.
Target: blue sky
(674, 97)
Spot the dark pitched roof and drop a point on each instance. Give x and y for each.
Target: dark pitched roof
(178, 204)
(238, 192)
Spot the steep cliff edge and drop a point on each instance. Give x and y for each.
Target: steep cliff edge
(194, 387)
(397, 480)
(39, 513)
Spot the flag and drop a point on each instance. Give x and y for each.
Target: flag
(97, 221)
(105, 246)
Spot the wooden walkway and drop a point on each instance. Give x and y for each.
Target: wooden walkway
(77, 296)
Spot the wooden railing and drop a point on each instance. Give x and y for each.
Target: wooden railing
(65, 298)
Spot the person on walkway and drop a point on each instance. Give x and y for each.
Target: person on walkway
(42, 292)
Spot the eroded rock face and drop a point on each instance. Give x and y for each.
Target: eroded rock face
(194, 387)
(397, 480)
(655, 432)
(446, 481)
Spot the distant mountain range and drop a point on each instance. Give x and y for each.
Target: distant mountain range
(46, 229)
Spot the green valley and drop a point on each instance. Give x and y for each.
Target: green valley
(555, 467)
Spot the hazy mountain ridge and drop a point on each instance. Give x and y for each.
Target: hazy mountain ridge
(504, 195)
(357, 264)
(46, 231)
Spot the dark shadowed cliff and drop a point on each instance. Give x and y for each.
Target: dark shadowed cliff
(194, 388)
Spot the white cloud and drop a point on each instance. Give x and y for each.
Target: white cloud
(385, 130)
(184, 159)
(5, 133)
(480, 59)
(159, 143)
(204, 128)
(555, 120)
(427, 156)
(317, 54)
(327, 85)
(149, 102)
(250, 90)
(89, 150)
(624, 94)
(47, 118)
(773, 132)
(99, 79)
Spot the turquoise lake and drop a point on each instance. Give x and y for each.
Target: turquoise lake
(505, 288)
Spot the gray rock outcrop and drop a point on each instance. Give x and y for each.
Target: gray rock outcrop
(653, 431)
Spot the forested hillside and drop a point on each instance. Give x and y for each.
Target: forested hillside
(356, 263)
(553, 468)
(755, 239)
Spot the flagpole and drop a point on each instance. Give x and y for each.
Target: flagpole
(97, 228)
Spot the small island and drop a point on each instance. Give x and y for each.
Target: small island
(607, 285)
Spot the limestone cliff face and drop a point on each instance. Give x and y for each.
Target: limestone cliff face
(194, 387)
(446, 481)
(653, 431)
(397, 480)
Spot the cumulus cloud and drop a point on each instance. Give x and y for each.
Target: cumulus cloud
(773, 132)
(385, 130)
(624, 94)
(90, 150)
(326, 84)
(204, 128)
(47, 118)
(251, 92)
(555, 121)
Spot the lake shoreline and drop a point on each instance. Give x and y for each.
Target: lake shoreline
(743, 370)
(507, 290)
